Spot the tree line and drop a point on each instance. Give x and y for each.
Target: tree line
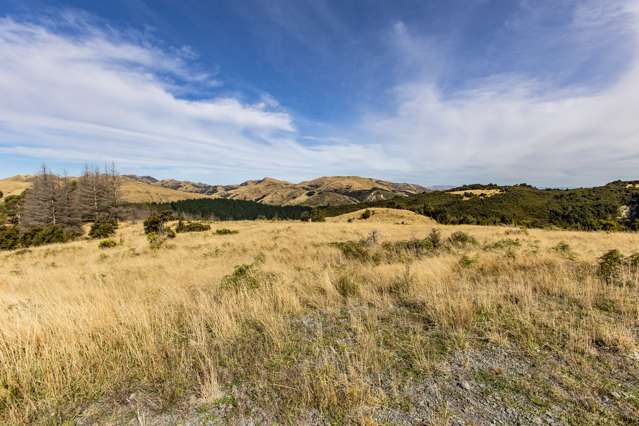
(54, 208)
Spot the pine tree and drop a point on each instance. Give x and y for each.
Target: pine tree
(41, 200)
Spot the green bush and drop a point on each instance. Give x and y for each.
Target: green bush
(154, 224)
(103, 228)
(9, 238)
(503, 244)
(611, 267)
(435, 239)
(414, 247)
(156, 241)
(564, 249)
(247, 276)
(106, 244)
(38, 236)
(366, 214)
(226, 231)
(461, 239)
(466, 262)
(358, 250)
(191, 227)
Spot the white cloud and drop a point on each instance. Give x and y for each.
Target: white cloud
(512, 129)
(88, 95)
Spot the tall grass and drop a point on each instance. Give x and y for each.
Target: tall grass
(305, 329)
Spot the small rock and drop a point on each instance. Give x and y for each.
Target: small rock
(464, 385)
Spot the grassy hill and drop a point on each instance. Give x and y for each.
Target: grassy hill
(132, 190)
(318, 323)
(613, 206)
(323, 191)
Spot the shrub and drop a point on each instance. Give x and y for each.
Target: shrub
(226, 231)
(9, 238)
(155, 240)
(504, 244)
(435, 239)
(247, 276)
(358, 250)
(461, 239)
(611, 267)
(38, 236)
(169, 233)
(191, 227)
(366, 214)
(564, 249)
(466, 262)
(414, 247)
(106, 244)
(155, 223)
(103, 228)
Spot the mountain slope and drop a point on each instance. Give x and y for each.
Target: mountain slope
(323, 191)
(133, 190)
(610, 207)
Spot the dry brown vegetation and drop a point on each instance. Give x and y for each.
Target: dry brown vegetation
(385, 216)
(477, 192)
(133, 191)
(14, 185)
(278, 324)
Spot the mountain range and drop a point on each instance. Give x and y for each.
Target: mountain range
(323, 191)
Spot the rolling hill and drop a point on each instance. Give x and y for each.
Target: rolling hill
(610, 207)
(323, 191)
(133, 190)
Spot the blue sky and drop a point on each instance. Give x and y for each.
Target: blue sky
(430, 92)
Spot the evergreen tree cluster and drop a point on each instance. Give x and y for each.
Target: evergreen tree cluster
(54, 208)
(225, 209)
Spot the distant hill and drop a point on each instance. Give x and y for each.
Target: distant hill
(323, 191)
(133, 190)
(613, 206)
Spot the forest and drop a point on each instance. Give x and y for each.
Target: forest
(225, 209)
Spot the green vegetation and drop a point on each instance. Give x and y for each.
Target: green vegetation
(614, 206)
(223, 209)
(191, 227)
(13, 237)
(103, 228)
(107, 244)
(614, 267)
(226, 231)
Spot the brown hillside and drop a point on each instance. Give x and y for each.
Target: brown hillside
(133, 190)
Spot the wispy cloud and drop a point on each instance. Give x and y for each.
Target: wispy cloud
(511, 128)
(81, 93)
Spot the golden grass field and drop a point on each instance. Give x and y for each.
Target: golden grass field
(302, 334)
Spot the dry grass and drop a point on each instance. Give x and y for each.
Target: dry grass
(477, 192)
(384, 216)
(14, 185)
(301, 330)
(132, 191)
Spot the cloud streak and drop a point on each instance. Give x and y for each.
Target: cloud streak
(91, 95)
(513, 128)
(74, 92)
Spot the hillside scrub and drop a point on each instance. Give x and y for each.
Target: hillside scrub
(278, 325)
(191, 227)
(612, 207)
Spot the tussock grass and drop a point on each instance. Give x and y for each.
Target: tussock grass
(278, 323)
